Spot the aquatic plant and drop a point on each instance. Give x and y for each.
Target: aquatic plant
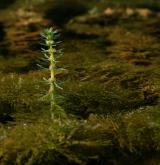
(51, 52)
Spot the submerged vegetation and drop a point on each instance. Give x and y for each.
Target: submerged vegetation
(51, 54)
(109, 109)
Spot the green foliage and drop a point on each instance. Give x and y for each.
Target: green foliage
(141, 130)
(51, 54)
(97, 99)
(82, 141)
(19, 92)
(118, 127)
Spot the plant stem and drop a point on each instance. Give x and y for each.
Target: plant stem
(51, 51)
(52, 79)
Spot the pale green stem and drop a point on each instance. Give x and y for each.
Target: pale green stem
(52, 80)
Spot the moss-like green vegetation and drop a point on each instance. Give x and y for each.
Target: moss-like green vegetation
(111, 87)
